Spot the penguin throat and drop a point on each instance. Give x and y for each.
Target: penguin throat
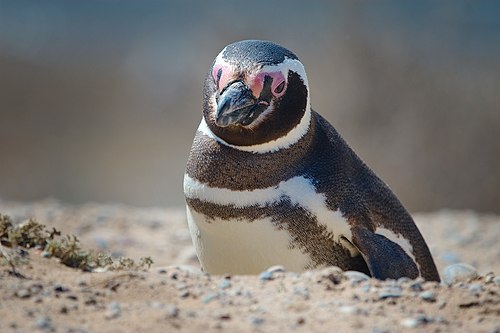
(281, 142)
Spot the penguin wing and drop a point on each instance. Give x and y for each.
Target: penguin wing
(384, 258)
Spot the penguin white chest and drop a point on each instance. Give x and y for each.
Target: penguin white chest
(244, 245)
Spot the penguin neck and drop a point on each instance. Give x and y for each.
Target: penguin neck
(283, 142)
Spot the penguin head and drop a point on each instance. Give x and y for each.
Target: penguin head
(256, 93)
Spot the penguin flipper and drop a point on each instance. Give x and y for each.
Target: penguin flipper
(384, 258)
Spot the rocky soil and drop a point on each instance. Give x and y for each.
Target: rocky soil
(174, 295)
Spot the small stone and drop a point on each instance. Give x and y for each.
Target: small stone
(276, 269)
(59, 288)
(458, 273)
(23, 293)
(82, 283)
(210, 297)
(423, 319)
(36, 288)
(172, 311)
(415, 322)
(161, 270)
(100, 270)
(224, 316)
(441, 320)
(475, 289)
(113, 310)
(44, 323)
(488, 278)
(389, 293)
(301, 291)
(356, 277)
(366, 286)
(416, 286)
(45, 254)
(429, 296)
(266, 276)
(409, 322)
(496, 280)
(403, 280)
(256, 321)
(348, 309)
(224, 284)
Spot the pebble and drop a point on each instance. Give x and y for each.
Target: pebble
(348, 309)
(488, 278)
(44, 323)
(414, 322)
(497, 280)
(224, 284)
(172, 311)
(301, 291)
(429, 296)
(113, 310)
(23, 293)
(356, 277)
(389, 293)
(366, 286)
(458, 273)
(210, 297)
(161, 270)
(256, 321)
(59, 288)
(266, 276)
(416, 286)
(223, 316)
(403, 280)
(276, 269)
(475, 289)
(409, 322)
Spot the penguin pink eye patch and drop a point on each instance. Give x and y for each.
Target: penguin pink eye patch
(223, 74)
(278, 84)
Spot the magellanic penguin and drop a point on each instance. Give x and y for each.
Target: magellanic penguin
(270, 182)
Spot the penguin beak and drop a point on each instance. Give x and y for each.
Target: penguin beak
(236, 105)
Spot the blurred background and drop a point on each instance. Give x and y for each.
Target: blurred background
(99, 100)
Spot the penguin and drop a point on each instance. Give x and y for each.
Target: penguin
(270, 182)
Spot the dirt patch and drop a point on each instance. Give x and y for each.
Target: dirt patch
(174, 295)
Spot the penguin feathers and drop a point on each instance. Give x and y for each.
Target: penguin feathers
(269, 181)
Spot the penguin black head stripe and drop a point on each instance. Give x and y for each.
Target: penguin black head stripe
(270, 182)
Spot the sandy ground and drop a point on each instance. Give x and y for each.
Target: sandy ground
(174, 295)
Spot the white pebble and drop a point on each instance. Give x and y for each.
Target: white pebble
(459, 273)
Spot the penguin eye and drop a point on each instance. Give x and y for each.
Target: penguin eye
(279, 88)
(216, 75)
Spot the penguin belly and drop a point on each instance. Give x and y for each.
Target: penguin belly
(245, 232)
(239, 246)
